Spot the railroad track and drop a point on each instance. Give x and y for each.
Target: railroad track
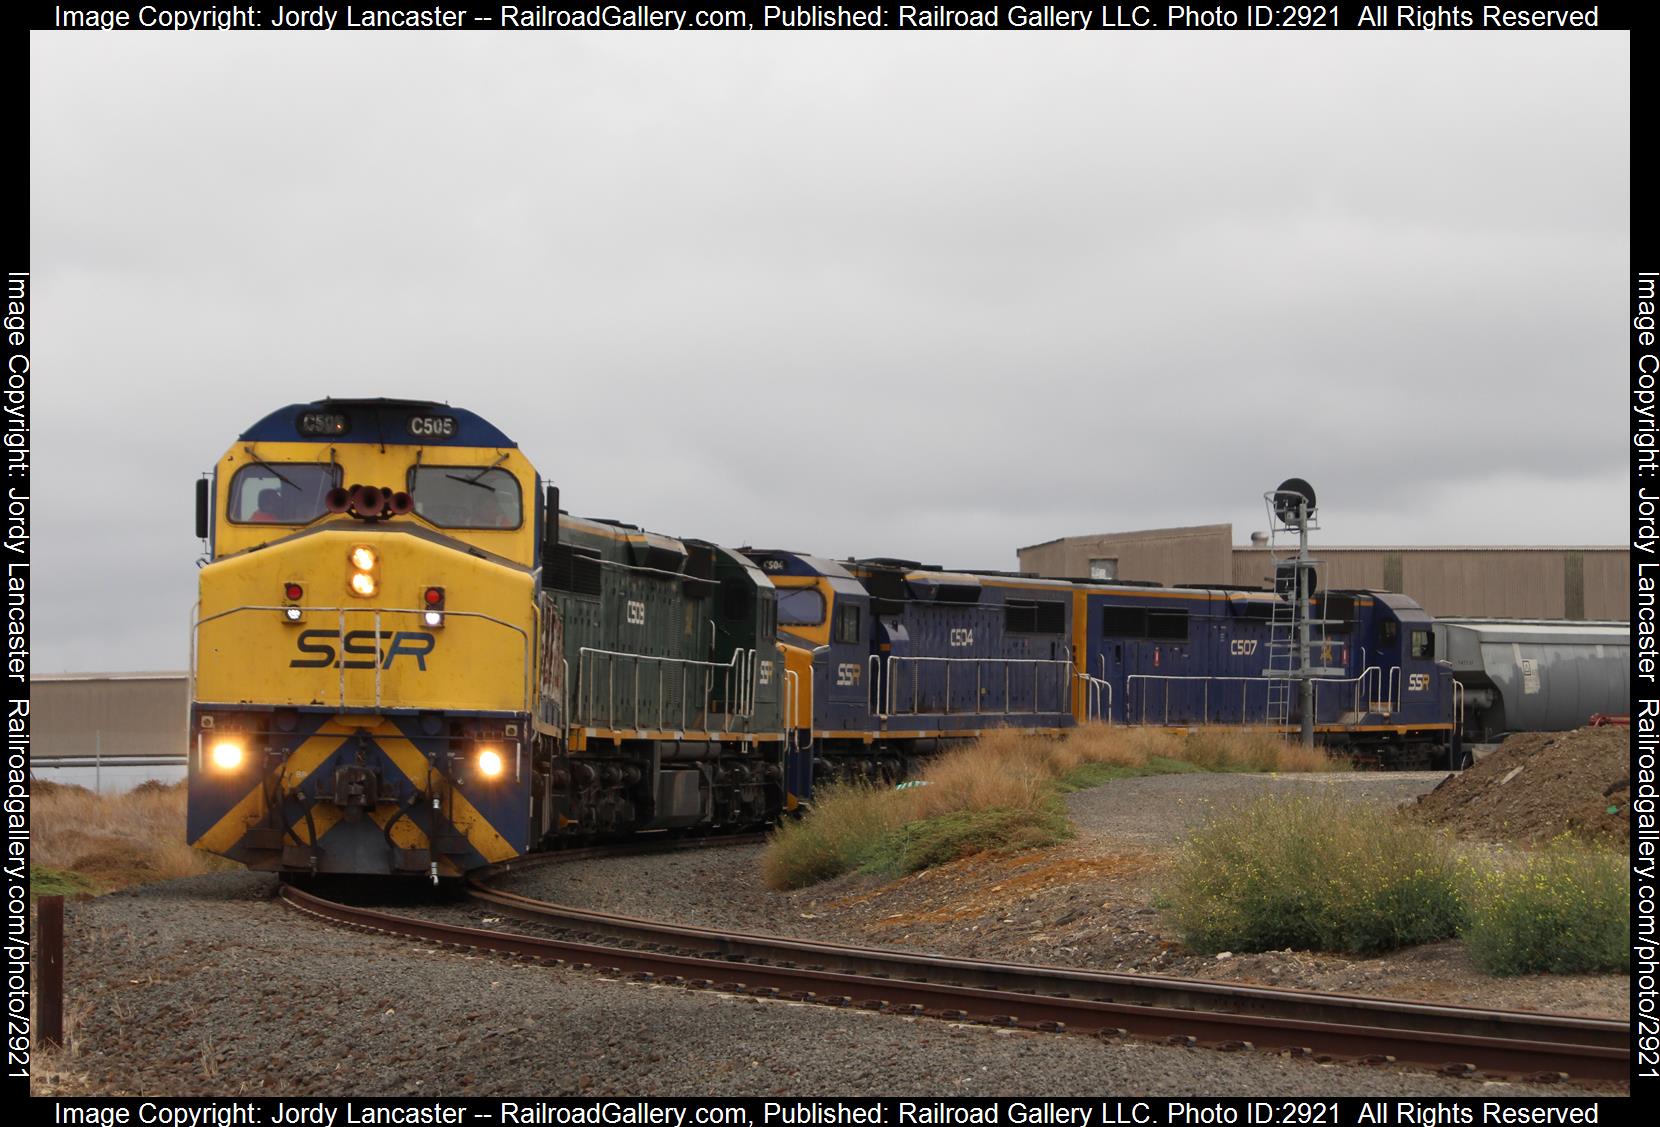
(1456, 1040)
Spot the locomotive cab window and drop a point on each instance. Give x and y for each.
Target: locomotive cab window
(1389, 632)
(800, 606)
(283, 493)
(1423, 645)
(847, 622)
(466, 496)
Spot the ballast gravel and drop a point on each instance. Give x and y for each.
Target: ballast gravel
(210, 986)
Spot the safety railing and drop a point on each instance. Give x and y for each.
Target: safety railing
(376, 616)
(1142, 698)
(735, 678)
(1097, 698)
(1359, 699)
(892, 678)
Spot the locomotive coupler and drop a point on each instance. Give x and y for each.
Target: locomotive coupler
(356, 789)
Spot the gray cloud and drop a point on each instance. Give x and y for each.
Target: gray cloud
(934, 295)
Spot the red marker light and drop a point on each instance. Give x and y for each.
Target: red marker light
(434, 596)
(293, 591)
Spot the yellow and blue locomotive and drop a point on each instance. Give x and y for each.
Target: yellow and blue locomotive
(407, 660)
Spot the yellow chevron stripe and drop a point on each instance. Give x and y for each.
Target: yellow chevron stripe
(230, 829)
(223, 835)
(250, 811)
(475, 827)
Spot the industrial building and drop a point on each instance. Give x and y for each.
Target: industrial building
(1578, 583)
(108, 715)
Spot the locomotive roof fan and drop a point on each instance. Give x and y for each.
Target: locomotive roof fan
(1286, 498)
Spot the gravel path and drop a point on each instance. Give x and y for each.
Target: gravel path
(1156, 810)
(209, 986)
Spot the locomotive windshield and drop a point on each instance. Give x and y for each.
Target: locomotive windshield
(466, 496)
(284, 493)
(800, 606)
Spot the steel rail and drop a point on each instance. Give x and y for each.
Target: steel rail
(1139, 989)
(1462, 1053)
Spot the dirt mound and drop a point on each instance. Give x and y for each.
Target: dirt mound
(156, 786)
(1541, 784)
(39, 788)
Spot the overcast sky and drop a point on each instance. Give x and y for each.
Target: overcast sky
(927, 295)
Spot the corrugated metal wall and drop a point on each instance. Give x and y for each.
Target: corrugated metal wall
(1543, 582)
(115, 715)
(1571, 583)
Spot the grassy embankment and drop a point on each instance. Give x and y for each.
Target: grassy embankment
(88, 843)
(1311, 872)
(1001, 792)
(1314, 872)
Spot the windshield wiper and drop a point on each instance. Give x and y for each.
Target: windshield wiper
(474, 480)
(249, 450)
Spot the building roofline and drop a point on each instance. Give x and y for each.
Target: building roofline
(181, 675)
(1175, 530)
(1318, 548)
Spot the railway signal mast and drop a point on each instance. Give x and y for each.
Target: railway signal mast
(1291, 508)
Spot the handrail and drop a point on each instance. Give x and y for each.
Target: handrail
(979, 682)
(524, 638)
(733, 669)
(792, 685)
(1369, 675)
(1244, 689)
(1358, 681)
(1096, 689)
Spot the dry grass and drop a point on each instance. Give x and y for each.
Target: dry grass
(1212, 749)
(1314, 872)
(114, 840)
(1001, 791)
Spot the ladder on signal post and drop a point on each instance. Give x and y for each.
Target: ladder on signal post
(1294, 634)
(1282, 660)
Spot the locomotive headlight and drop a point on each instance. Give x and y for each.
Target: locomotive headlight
(364, 579)
(292, 614)
(490, 763)
(433, 618)
(227, 755)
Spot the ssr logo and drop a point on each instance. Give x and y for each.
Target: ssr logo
(962, 638)
(847, 673)
(1417, 682)
(766, 673)
(320, 644)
